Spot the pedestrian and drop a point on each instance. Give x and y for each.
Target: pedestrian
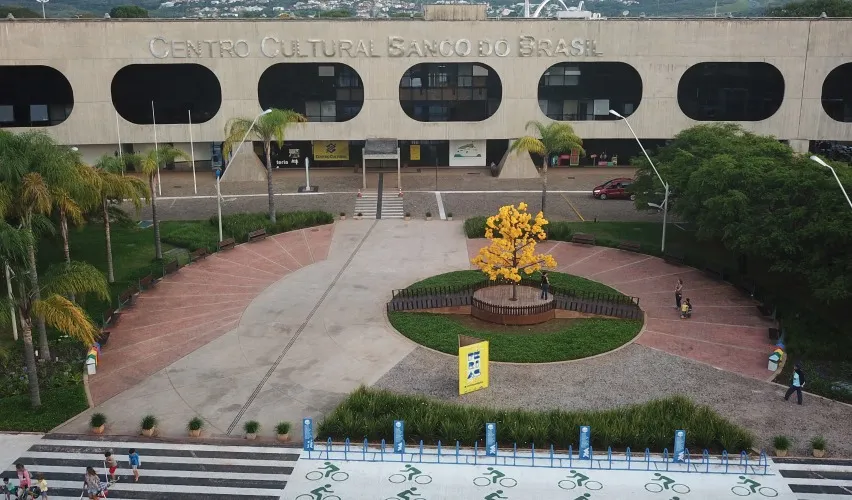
(133, 458)
(7, 489)
(686, 309)
(24, 479)
(545, 285)
(678, 293)
(42, 486)
(111, 463)
(92, 483)
(797, 383)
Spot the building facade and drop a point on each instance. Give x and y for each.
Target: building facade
(441, 86)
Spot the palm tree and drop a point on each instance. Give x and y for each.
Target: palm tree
(150, 166)
(266, 128)
(47, 299)
(114, 186)
(553, 138)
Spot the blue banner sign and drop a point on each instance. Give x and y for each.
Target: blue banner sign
(491, 439)
(308, 434)
(399, 436)
(679, 446)
(585, 442)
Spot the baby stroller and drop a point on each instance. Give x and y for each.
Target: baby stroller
(102, 492)
(25, 493)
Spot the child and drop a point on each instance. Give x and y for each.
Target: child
(133, 458)
(110, 462)
(24, 479)
(686, 309)
(92, 484)
(7, 488)
(42, 485)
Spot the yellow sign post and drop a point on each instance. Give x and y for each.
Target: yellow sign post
(414, 152)
(331, 150)
(473, 364)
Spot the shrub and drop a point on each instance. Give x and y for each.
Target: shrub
(251, 427)
(474, 227)
(282, 428)
(195, 424)
(149, 422)
(369, 413)
(97, 420)
(818, 443)
(781, 443)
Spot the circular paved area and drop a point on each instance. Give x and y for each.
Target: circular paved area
(285, 328)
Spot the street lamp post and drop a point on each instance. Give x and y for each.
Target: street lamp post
(234, 155)
(826, 165)
(665, 185)
(42, 2)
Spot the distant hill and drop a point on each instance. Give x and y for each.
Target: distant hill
(18, 12)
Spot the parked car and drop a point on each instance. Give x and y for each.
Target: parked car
(615, 188)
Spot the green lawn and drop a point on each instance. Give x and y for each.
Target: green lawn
(57, 406)
(579, 339)
(472, 277)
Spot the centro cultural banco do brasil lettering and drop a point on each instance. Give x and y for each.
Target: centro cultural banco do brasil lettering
(394, 46)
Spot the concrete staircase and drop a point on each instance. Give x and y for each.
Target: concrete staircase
(392, 206)
(368, 203)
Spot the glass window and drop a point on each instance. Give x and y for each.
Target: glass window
(319, 91)
(135, 86)
(38, 113)
(450, 92)
(741, 91)
(35, 96)
(7, 114)
(603, 86)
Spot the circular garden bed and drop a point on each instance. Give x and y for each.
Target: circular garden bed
(555, 340)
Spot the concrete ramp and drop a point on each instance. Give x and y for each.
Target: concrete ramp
(246, 166)
(517, 166)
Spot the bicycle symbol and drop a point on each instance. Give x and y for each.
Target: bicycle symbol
(665, 484)
(582, 480)
(413, 474)
(494, 476)
(332, 471)
(407, 495)
(319, 494)
(753, 487)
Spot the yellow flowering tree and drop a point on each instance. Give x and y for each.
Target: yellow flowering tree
(514, 234)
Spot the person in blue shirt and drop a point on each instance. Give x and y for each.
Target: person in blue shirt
(796, 384)
(133, 458)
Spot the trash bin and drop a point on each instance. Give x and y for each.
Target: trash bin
(91, 365)
(494, 169)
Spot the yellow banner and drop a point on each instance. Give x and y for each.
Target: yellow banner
(331, 150)
(414, 152)
(473, 364)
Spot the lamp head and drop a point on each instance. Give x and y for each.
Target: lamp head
(819, 160)
(615, 113)
(75, 148)
(266, 112)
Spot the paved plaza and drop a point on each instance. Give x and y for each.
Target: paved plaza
(286, 328)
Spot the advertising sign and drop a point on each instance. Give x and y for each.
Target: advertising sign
(414, 152)
(331, 150)
(467, 153)
(473, 364)
(680, 446)
(398, 436)
(585, 441)
(308, 434)
(491, 439)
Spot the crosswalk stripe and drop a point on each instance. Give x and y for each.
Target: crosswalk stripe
(99, 457)
(817, 479)
(56, 471)
(105, 445)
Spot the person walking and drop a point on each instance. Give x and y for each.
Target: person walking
(797, 383)
(545, 285)
(92, 483)
(112, 465)
(24, 479)
(42, 486)
(133, 458)
(678, 293)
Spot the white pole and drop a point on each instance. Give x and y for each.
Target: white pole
(118, 133)
(307, 175)
(192, 152)
(157, 149)
(398, 170)
(219, 203)
(826, 165)
(364, 168)
(44, 16)
(11, 300)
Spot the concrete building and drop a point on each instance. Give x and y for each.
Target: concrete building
(451, 92)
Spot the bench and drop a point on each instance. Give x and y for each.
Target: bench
(583, 239)
(715, 271)
(674, 257)
(127, 297)
(198, 255)
(227, 244)
(171, 267)
(147, 282)
(257, 234)
(630, 246)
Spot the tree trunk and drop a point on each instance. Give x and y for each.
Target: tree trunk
(29, 359)
(157, 246)
(44, 348)
(110, 273)
(514, 290)
(63, 228)
(268, 149)
(544, 183)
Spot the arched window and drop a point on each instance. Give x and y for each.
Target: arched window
(34, 96)
(581, 91)
(450, 92)
(735, 91)
(323, 92)
(175, 89)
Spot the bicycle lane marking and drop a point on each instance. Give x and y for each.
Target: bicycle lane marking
(356, 480)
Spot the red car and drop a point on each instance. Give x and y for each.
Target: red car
(615, 188)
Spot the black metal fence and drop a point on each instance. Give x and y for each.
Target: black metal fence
(512, 310)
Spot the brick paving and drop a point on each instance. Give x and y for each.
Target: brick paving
(198, 304)
(725, 331)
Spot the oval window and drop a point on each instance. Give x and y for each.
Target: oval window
(585, 91)
(34, 96)
(735, 92)
(837, 93)
(323, 92)
(450, 92)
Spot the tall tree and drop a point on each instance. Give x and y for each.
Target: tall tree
(74, 199)
(150, 164)
(553, 138)
(128, 12)
(267, 128)
(113, 186)
(811, 8)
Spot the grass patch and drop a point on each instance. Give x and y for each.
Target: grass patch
(579, 339)
(369, 414)
(57, 406)
(557, 281)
